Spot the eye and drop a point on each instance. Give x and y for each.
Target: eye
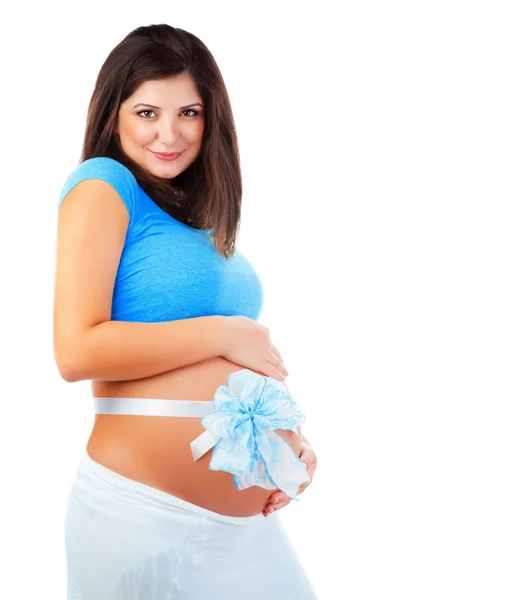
(145, 111)
(187, 110)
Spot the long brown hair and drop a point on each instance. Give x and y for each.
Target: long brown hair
(208, 193)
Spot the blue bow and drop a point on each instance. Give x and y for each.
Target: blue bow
(248, 410)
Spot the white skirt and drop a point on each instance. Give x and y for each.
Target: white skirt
(125, 540)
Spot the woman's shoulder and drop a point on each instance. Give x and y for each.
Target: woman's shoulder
(105, 165)
(109, 170)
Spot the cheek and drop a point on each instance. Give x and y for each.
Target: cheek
(141, 133)
(135, 132)
(197, 131)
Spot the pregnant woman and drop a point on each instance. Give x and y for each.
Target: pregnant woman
(196, 435)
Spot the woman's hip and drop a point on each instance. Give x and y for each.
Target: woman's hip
(127, 540)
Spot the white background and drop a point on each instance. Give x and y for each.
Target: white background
(375, 148)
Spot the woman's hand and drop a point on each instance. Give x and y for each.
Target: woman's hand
(247, 343)
(279, 499)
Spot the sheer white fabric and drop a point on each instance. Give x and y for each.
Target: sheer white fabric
(128, 541)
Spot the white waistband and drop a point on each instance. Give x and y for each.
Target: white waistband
(153, 407)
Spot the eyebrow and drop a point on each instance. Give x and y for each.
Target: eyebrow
(152, 105)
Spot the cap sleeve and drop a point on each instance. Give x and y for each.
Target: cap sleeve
(109, 170)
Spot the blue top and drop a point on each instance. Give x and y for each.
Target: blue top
(169, 270)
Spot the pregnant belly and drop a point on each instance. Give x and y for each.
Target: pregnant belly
(155, 450)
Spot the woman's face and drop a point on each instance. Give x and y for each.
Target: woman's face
(165, 115)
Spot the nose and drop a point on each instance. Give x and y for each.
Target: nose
(168, 132)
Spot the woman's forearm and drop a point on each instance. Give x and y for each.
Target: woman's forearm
(118, 350)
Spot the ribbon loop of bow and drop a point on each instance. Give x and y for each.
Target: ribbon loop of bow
(242, 430)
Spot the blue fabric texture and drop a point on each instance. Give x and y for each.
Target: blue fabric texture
(169, 270)
(247, 411)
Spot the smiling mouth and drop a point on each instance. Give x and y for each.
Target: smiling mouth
(167, 153)
(167, 156)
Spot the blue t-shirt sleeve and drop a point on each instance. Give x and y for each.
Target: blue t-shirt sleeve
(109, 170)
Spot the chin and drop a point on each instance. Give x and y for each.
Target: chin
(166, 172)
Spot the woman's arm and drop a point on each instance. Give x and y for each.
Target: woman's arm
(89, 345)
(91, 232)
(120, 350)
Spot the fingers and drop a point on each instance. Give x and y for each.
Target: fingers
(279, 361)
(277, 353)
(278, 497)
(273, 508)
(279, 370)
(280, 501)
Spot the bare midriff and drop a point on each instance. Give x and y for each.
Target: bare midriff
(155, 450)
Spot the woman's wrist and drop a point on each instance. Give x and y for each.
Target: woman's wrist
(221, 325)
